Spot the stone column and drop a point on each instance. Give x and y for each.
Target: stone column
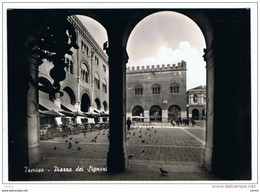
(210, 108)
(117, 159)
(146, 116)
(33, 114)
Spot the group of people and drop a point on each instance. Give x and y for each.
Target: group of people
(181, 121)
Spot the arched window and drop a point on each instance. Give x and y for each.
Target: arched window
(138, 90)
(97, 81)
(104, 85)
(105, 106)
(98, 105)
(84, 72)
(156, 89)
(174, 88)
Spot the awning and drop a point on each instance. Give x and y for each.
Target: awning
(71, 114)
(78, 113)
(92, 114)
(51, 113)
(49, 104)
(69, 107)
(104, 114)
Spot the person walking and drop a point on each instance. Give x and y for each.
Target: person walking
(128, 122)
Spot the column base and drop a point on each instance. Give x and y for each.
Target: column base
(35, 155)
(207, 161)
(116, 161)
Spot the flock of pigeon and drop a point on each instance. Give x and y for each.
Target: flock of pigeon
(147, 131)
(106, 132)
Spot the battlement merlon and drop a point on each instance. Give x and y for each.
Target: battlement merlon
(180, 66)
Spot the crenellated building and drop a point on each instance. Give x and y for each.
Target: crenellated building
(85, 88)
(156, 93)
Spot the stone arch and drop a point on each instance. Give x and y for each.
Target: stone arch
(45, 88)
(155, 113)
(69, 95)
(138, 111)
(105, 106)
(85, 102)
(174, 112)
(97, 103)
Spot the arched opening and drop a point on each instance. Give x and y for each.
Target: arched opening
(165, 57)
(68, 96)
(46, 87)
(155, 113)
(98, 104)
(174, 113)
(138, 113)
(195, 114)
(219, 68)
(105, 106)
(85, 103)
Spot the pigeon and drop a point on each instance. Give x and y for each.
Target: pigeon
(163, 172)
(55, 148)
(143, 151)
(155, 131)
(143, 141)
(140, 136)
(79, 148)
(95, 137)
(66, 141)
(76, 142)
(70, 138)
(70, 145)
(127, 138)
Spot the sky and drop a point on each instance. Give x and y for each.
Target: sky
(162, 38)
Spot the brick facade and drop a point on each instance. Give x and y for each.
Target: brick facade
(156, 93)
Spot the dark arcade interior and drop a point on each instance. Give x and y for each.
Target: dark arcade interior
(227, 34)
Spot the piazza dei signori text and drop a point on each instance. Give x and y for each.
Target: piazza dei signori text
(78, 112)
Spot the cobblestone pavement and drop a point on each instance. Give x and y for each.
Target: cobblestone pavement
(152, 143)
(179, 150)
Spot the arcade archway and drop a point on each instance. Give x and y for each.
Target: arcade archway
(85, 103)
(174, 112)
(155, 113)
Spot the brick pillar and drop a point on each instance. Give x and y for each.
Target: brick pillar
(146, 116)
(165, 116)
